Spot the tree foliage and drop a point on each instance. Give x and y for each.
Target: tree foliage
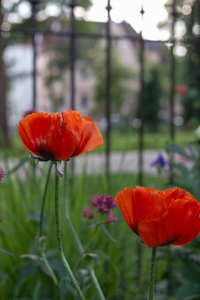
(120, 78)
(187, 67)
(152, 95)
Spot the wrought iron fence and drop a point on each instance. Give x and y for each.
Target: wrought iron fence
(73, 34)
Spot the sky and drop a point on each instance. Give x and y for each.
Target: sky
(129, 11)
(122, 10)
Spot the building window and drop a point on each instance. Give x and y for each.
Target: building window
(84, 102)
(84, 73)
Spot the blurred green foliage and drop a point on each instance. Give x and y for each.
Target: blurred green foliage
(152, 96)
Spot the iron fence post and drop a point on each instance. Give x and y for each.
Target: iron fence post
(139, 249)
(72, 5)
(34, 47)
(172, 82)
(197, 50)
(108, 90)
(141, 108)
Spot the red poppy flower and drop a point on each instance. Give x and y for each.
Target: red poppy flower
(181, 89)
(160, 217)
(50, 136)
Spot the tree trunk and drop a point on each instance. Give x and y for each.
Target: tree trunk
(4, 133)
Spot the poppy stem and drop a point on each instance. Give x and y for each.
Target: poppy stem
(59, 240)
(152, 273)
(44, 200)
(67, 214)
(45, 261)
(77, 240)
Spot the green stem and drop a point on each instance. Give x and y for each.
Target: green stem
(77, 240)
(44, 200)
(45, 261)
(92, 236)
(139, 250)
(96, 282)
(73, 231)
(152, 273)
(48, 267)
(59, 240)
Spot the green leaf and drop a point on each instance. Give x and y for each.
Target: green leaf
(102, 226)
(18, 166)
(183, 169)
(189, 273)
(188, 292)
(31, 256)
(192, 152)
(91, 257)
(6, 252)
(88, 226)
(177, 149)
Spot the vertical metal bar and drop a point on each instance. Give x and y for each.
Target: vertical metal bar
(141, 108)
(5, 140)
(139, 251)
(34, 47)
(172, 72)
(108, 90)
(171, 104)
(197, 51)
(172, 80)
(72, 4)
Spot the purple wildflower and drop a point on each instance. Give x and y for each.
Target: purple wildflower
(2, 174)
(87, 213)
(28, 112)
(160, 161)
(21, 150)
(102, 204)
(110, 218)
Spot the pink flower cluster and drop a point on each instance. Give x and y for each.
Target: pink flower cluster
(1, 174)
(1, 177)
(102, 204)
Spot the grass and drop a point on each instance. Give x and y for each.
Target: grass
(129, 140)
(26, 278)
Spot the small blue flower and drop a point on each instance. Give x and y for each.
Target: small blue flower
(160, 161)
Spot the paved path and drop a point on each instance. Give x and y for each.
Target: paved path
(94, 163)
(119, 162)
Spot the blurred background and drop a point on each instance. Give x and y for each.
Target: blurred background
(134, 67)
(117, 62)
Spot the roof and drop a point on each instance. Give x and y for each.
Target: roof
(126, 30)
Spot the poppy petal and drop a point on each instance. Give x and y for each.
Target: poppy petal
(125, 201)
(178, 226)
(175, 193)
(188, 221)
(140, 204)
(73, 121)
(90, 136)
(45, 135)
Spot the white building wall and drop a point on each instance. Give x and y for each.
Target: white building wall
(18, 61)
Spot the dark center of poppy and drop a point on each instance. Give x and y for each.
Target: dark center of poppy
(170, 241)
(46, 153)
(135, 228)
